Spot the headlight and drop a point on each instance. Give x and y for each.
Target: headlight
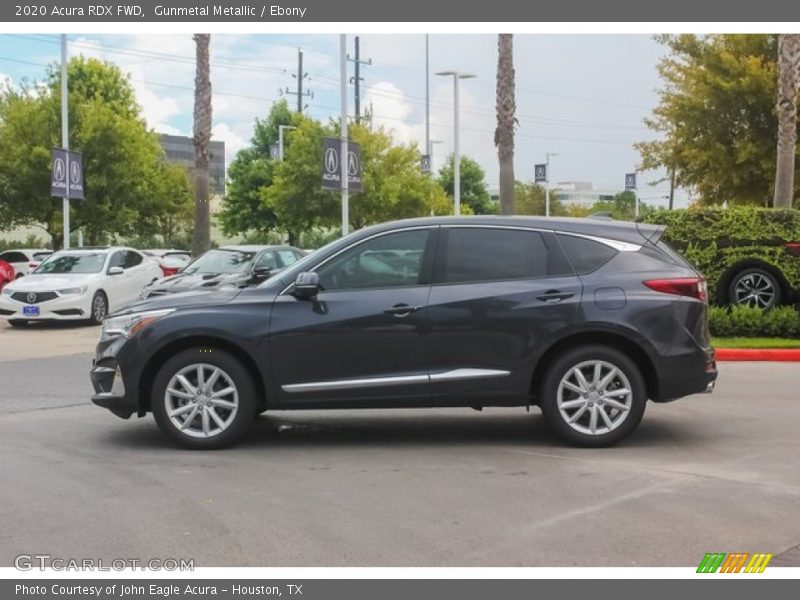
(131, 324)
(73, 290)
(7, 291)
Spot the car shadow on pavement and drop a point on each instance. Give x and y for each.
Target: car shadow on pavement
(391, 429)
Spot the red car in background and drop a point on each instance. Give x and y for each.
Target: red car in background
(6, 273)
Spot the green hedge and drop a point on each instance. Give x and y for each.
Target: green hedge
(746, 321)
(720, 242)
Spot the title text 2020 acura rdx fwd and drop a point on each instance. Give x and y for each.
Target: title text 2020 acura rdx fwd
(586, 319)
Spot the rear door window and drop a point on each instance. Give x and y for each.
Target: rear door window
(496, 254)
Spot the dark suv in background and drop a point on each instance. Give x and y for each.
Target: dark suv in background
(586, 319)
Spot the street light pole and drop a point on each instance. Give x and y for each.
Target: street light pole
(65, 136)
(281, 129)
(456, 150)
(428, 147)
(547, 182)
(344, 151)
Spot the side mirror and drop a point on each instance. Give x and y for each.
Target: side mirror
(306, 285)
(115, 270)
(261, 273)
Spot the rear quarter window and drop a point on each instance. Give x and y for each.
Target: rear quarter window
(585, 255)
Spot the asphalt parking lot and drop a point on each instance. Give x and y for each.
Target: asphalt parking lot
(449, 487)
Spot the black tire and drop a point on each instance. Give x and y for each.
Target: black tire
(563, 366)
(240, 421)
(755, 287)
(17, 322)
(98, 310)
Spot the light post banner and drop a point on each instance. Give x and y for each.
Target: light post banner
(332, 165)
(540, 173)
(630, 182)
(365, 11)
(66, 174)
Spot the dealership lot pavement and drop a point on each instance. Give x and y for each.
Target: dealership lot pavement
(395, 488)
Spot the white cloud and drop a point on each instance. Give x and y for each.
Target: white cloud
(233, 141)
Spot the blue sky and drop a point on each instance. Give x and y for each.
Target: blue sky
(581, 96)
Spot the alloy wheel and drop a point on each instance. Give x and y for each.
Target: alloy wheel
(99, 309)
(594, 397)
(754, 289)
(201, 400)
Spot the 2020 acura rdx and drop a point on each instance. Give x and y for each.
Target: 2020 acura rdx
(587, 319)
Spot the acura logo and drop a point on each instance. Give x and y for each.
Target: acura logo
(331, 160)
(31, 298)
(352, 164)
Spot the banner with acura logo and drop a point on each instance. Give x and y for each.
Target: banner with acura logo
(332, 165)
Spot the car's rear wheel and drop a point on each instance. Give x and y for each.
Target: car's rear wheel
(17, 322)
(593, 396)
(755, 287)
(99, 308)
(204, 398)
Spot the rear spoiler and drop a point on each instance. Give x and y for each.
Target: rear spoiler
(650, 231)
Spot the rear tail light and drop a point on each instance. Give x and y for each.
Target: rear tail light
(792, 248)
(694, 287)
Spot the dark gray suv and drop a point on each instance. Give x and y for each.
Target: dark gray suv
(586, 319)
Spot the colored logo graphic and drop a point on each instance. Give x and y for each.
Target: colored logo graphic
(737, 562)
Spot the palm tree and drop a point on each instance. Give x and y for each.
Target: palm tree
(202, 139)
(788, 63)
(506, 121)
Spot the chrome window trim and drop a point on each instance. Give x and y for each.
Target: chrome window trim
(367, 382)
(615, 244)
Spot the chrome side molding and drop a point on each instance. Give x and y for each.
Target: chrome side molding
(367, 382)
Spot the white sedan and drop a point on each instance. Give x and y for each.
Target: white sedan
(79, 284)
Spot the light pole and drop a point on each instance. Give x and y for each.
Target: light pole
(343, 154)
(547, 182)
(281, 129)
(456, 75)
(65, 136)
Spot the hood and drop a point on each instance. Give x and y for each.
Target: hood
(50, 282)
(183, 282)
(221, 295)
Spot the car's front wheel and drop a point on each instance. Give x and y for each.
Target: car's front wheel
(99, 308)
(593, 396)
(203, 398)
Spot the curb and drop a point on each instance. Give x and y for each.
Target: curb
(758, 354)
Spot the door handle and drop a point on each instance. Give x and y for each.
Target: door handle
(401, 310)
(553, 296)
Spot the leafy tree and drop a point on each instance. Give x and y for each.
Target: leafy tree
(473, 185)
(296, 197)
(622, 207)
(530, 200)
(393, 185)
(716, 116)
(243, 209)
(124, 167)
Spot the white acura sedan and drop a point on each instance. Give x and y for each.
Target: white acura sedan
(88, 283)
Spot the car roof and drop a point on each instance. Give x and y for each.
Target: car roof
(250, 247)
(626, 231)
(31, 250)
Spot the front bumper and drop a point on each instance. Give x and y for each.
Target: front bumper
(62, 308)
(109, 388)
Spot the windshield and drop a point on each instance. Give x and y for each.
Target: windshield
(220, 261)
(72, 263)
